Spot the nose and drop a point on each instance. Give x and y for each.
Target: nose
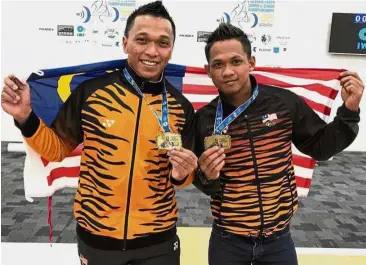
(228, 71)
(151, 49)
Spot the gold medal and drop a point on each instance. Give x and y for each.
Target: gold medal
(168, 141)
(220, 140)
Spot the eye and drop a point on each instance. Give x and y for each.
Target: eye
(237, 62)
(217, 65)
(164, 43)
(141, 40)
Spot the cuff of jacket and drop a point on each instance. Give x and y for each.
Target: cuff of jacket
(214, 186)
(30, 126)
(178, 182)
(343, 111)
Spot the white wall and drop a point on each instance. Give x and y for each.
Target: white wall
(307, 23)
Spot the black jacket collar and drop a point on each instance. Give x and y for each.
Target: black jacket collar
(145, 85)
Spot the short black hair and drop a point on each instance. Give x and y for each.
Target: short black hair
(227, 31)
(156, 9)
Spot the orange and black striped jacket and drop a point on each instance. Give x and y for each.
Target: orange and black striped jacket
(126, 197)
(256, 194)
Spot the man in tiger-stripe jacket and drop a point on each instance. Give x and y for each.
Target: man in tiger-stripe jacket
(125, 206)
(252, 183)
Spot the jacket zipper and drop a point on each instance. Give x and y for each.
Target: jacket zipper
(131, 172)
(256, 176)
(221, 201)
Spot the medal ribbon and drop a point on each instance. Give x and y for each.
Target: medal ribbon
(163, 120)
(220, 124)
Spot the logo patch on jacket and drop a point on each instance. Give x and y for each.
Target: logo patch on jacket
(269, 119)
(176, 245)
(108, 123)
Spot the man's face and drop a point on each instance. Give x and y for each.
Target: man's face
(229, 66)
(149, 46)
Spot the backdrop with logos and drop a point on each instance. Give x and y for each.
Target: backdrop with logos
(53, 34)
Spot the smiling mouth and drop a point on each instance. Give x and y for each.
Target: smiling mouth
(149, 63)
(229, 82)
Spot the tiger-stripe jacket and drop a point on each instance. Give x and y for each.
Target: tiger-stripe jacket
(255, 194)
(125, 197)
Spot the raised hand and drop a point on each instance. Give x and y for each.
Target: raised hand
(352, 89)
(15, 98)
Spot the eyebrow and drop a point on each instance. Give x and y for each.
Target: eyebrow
(216, 61)
(236, 57)
(145, 35)
(231, 58)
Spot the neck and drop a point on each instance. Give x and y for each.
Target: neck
(240, 97)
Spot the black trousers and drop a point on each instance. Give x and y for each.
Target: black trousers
(226, 248)
(166, 253)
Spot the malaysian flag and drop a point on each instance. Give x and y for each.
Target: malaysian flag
(51, 87)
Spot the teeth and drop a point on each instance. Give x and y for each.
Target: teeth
(149, 62)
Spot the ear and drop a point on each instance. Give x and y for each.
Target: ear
(207, 67)
(124, 42)
(252, 62)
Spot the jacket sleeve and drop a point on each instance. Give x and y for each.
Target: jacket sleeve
(188, 142)
(56, 142)
(314, 137)
(211, 187)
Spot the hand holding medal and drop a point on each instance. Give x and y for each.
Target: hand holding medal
(184, 162)
(212, 161)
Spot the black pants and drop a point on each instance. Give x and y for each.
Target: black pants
(166, 253)
(226, 248)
